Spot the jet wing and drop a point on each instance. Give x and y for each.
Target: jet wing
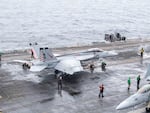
(37, 68)
(81, 58)
(20, 61)
(69, 65)
(33, 68)
(89, 54)
(84, 57)
(106, 54)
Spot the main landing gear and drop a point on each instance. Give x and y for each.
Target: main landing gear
(59, 73)
(25, 66)
(148, 108)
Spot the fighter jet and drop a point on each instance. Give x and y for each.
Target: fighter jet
(64, 64)
(141, 96)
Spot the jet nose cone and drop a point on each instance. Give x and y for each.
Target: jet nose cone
(121, 106)
(129, 102)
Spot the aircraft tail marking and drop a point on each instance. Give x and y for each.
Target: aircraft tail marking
(46, 54)
(35, 50)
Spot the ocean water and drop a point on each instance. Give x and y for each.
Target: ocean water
(57, 23)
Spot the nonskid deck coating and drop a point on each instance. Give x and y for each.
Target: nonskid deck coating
(23, 92)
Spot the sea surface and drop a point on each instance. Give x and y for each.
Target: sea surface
(57, 23)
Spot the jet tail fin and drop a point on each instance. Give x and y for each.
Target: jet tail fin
(35, 50)
(147, 75)
(46, 54)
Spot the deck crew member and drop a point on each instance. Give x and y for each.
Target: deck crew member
(129, 83)
(103, 66)
(101, 90)
(60, 82)
(138, 81)
(142, 52)
(92, 67)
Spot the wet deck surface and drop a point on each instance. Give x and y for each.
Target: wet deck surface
(26, 92)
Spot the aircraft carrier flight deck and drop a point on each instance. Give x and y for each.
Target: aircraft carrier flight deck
(27, 92)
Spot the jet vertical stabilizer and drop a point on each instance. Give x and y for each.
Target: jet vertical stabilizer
(46, 54)
(35, 50)
(147, 75)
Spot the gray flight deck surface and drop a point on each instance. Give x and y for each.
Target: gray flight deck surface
(26, 92)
